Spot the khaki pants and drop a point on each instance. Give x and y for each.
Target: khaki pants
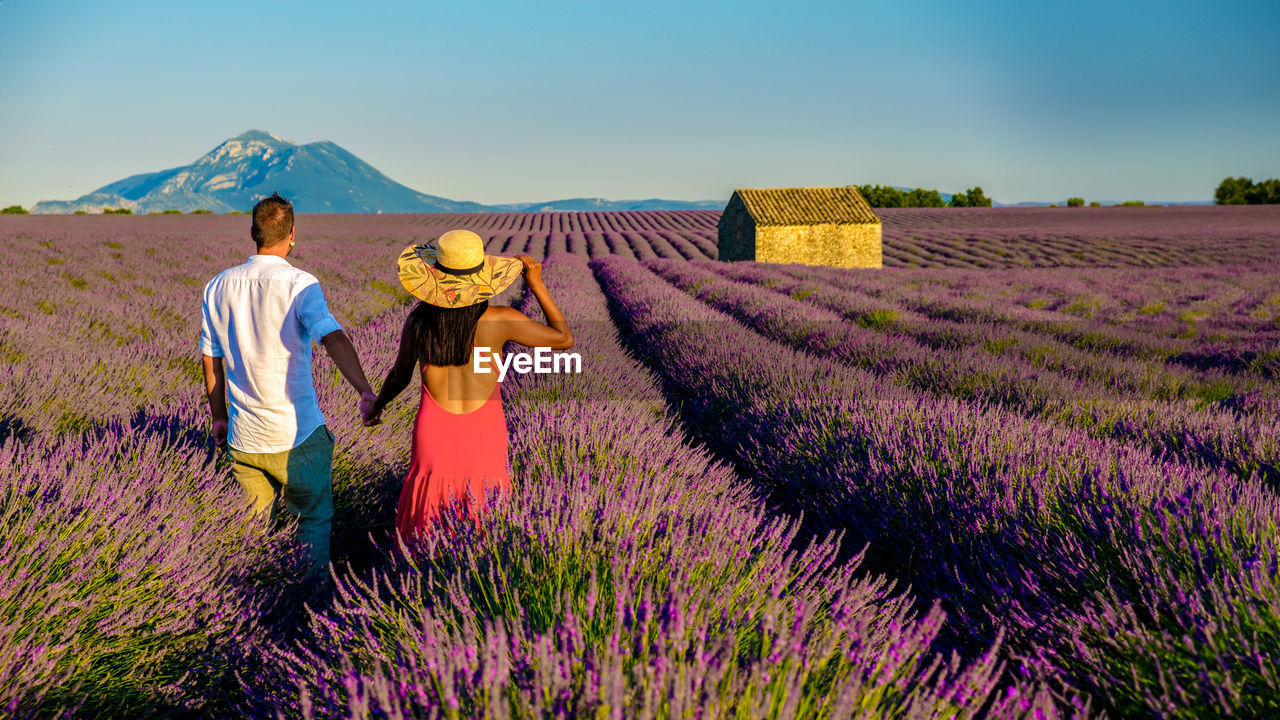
(303, 476)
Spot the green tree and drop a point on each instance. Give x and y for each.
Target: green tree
(973, 197)
(1233, 191)
(886, 196)
(14, 210)
(920, 197)
(1094, 203)
(1075, 202)
(977, 198)
(1266, 192)
(882, 196)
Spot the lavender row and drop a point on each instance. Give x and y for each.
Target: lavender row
(1227, 329)
(1078, 237)
(1246, 447)
(1228, 300)
(132, 575)
(100, 325)
(1089, 355)
(151, 579)
(956, 237)
(1090, 554)
(1215, 388)
(603, 585)
(135, 580)
(1234, 295)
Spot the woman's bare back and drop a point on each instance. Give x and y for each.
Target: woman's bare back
(458, 388)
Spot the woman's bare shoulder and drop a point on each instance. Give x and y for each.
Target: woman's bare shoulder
(502, 313)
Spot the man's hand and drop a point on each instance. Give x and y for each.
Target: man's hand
(343, 354)
(367, 414)
(219, 432)
(215, 387)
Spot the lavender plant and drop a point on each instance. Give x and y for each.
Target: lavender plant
(631, 576)
(662, 507)
(1244, 446)
(131, 576)
(1018, 525)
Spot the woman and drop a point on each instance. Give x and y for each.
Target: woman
(459, 441)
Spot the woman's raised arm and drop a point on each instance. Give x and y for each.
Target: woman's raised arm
(526, 331)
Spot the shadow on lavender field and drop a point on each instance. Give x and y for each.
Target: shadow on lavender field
(15, 427)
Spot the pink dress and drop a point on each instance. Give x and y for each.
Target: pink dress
(450, 454)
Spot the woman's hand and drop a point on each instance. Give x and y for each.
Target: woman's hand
(532, 269)
(556, 333)
(370, 413)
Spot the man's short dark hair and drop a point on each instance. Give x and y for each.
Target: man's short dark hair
(272, 221)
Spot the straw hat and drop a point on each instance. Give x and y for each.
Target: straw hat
(455, 272)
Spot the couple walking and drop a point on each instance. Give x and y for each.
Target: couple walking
(259, 319)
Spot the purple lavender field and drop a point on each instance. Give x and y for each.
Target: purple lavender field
(1027, 470)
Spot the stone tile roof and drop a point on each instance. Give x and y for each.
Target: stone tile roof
(807, 205)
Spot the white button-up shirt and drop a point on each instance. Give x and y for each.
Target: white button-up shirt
(261, 318)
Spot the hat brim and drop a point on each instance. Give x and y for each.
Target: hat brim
(423, 280)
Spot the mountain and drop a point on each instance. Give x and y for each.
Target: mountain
(316, 177)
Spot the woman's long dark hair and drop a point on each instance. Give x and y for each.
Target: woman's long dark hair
(444, 336)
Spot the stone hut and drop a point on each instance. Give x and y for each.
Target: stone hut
(813, 225)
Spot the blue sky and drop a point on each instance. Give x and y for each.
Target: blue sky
(527, 101)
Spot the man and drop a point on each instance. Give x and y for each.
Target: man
(259, 320)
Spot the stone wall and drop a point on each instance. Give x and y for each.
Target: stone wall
(837, 245)
(737, 233)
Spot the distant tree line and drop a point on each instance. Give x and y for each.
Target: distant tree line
(1243, 191)
(14, 210)
(883, 196)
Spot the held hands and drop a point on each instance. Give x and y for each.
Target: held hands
(368, 415)
(219, 432)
